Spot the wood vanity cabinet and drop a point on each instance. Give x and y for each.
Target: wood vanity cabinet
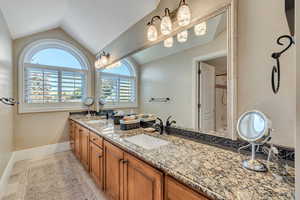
(141, 181)
(84, 147)
(128, 178)
(72, 135)
(77, 141)
(97, 164)
(113, 171)
(177, 191)
(121, 175)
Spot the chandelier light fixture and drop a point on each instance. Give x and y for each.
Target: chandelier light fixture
(152, 32)
(200, 29)
(168, 43)
(183, 36)
(166, 23)
(184, 14)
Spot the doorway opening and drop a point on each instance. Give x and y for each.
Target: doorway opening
(212, 95)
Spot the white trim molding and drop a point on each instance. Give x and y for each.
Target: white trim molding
(6, 175)
(195, 80)
(28, 154)
(41, 151)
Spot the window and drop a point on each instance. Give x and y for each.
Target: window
(54, 76)
(118, 86)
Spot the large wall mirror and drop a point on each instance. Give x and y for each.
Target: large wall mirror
(193, 77)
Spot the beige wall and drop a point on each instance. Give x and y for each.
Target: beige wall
(37, 129)
(260, 23)
(6, 90)
(298, 101)
(172, 77)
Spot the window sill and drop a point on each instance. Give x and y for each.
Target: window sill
(27, 110)
(107, 107)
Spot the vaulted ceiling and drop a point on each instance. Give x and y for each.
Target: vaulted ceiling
(94, 23)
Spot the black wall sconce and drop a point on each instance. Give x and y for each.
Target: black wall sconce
(290, 15)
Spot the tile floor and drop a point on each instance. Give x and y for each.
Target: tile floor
(56, 177)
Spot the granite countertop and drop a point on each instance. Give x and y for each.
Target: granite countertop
(210, 170)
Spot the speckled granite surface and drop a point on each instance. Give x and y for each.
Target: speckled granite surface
(210, 170)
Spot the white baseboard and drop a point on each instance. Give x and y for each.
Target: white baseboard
(29, 154)
(6, 174)
(41, 151)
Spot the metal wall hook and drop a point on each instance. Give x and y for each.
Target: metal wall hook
(276, 56)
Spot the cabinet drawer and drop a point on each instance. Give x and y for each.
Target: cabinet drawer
(96, 139)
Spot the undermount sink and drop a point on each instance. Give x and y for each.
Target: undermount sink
(146, 141)
(96, 122)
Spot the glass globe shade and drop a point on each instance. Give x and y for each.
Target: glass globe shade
(104, 60)
(200, 29)
(166, 25)
(152, 33)
(98, 64)
(183, 36)
(184, 15)
(168, 43)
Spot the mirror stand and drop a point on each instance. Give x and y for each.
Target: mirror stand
(254, 164)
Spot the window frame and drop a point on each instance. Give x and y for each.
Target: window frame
(134, 74)
(27, 53)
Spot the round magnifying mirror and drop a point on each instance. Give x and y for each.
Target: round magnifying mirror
(89, 101)
(254, 127)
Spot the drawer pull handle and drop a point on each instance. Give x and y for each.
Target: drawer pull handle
(125, 161)
(94, 139)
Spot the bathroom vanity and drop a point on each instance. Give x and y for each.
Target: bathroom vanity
(179, 169)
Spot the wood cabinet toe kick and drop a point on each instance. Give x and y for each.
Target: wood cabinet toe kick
(123, 176)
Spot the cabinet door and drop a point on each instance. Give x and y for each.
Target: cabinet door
(84, 145)
(141, 181)
(72, 135)
(96, 164)
(113, 184)
(176, 191)
(77, 141)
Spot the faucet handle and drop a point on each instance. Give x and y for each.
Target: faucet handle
(168, 119)
(160, 120)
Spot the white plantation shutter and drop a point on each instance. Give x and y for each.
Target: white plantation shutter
(72, 86)
(118, 90)
(109, 89)
(127, 90)
(43, 85)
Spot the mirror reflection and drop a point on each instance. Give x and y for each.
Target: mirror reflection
(184, 77)
(252, 126)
